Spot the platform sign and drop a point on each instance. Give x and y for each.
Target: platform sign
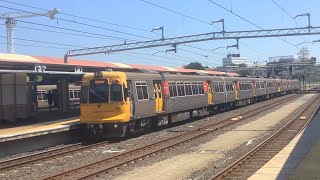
(78, 69)
(40, 69)
(38, 78)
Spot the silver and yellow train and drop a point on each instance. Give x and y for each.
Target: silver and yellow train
(114, 104)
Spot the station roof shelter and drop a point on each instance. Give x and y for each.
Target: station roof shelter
(20, 76)
(52, 65)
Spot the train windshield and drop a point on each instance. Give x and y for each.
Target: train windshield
(99, 91)
(115, 92)
(84, 94)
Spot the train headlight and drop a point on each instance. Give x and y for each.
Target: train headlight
(115, 126)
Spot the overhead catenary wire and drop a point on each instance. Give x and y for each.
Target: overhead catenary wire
(38, 46)
(60, 32)
(75, 22)
(46, 42)
(278, 5)
(232, 12)
(67, 28)
(129, 54)
(184, 15)
(80, 17)
(181, 14)
(73, 30)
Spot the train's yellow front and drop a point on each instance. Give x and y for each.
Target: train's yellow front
(105, 106)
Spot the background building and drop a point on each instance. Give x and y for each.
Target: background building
(234, 60)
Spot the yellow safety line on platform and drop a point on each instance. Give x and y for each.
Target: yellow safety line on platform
(35, 127)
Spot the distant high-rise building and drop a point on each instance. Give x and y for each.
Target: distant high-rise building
(234, 59)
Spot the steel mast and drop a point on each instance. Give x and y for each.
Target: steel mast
(11, 23)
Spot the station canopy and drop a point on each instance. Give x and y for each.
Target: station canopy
(52, 65)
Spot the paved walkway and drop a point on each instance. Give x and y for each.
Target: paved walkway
(300, 159)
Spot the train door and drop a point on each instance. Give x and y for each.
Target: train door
(265, 87)
(254, 88)
(158, 96)
(131, 98)
(236, 88)
(210, 94)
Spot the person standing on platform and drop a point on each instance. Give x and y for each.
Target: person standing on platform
(49, 96)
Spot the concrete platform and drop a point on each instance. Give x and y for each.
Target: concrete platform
(38, 136)
(38, 129)
(300, 159)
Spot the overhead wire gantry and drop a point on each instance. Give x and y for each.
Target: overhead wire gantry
(267, 33)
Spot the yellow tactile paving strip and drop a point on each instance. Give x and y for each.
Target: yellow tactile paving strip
(37, 127)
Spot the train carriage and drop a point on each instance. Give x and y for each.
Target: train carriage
(116, 103)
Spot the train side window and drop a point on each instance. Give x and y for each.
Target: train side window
(71, 94)
(214, 87)
(241, 86)
(181, 90)
(200, 86)
(77, 93)
(195, 89)
(41, 95)
(188, 88)
(116, 92)
(232, 86)
(221, 86)
(142, 90)
(229, 87)
(257, 85)
(172, 89)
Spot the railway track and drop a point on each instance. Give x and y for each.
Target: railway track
(46, 155)
(248, 164)
(117, 161)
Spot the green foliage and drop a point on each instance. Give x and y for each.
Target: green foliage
(195, 65)
(242, 65)
(244, 73)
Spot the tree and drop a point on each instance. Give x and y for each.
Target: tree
(244, 72)
(242, 65)
(304, 54)
(195, 65)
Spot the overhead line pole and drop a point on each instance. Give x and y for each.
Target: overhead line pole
(195, 38)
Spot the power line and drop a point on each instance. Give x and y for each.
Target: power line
(80, 17)
(278, 5)
(69, 29)
(30, 45)
(207, 50)
(60, 32)
(84, 24)
(94, 37)
(248, 21)
(184, 15)
(129, 54)
(45, 42)
(256, 50)
(190, 17)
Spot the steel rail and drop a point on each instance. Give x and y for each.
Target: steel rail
(263, 144)
(125, 158)
(41, 156)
